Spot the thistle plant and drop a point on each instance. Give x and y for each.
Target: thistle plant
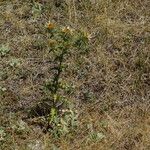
(63, 43)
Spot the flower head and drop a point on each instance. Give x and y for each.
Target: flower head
(67, 30)
(50, 26)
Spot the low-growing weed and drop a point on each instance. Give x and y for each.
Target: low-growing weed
(94, 135)
(14, 62)
(4, 49)
(36, 10)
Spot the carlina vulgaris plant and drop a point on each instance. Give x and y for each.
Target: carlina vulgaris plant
(62, 42)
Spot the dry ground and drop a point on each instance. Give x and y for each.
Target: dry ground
(112, 82)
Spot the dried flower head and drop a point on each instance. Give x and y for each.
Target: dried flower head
(50, 26)
(67, 30)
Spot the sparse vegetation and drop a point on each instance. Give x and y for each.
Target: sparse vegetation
(80, 81)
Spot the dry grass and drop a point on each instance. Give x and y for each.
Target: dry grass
(112, 83)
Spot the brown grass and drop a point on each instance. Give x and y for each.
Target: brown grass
(115, 74)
